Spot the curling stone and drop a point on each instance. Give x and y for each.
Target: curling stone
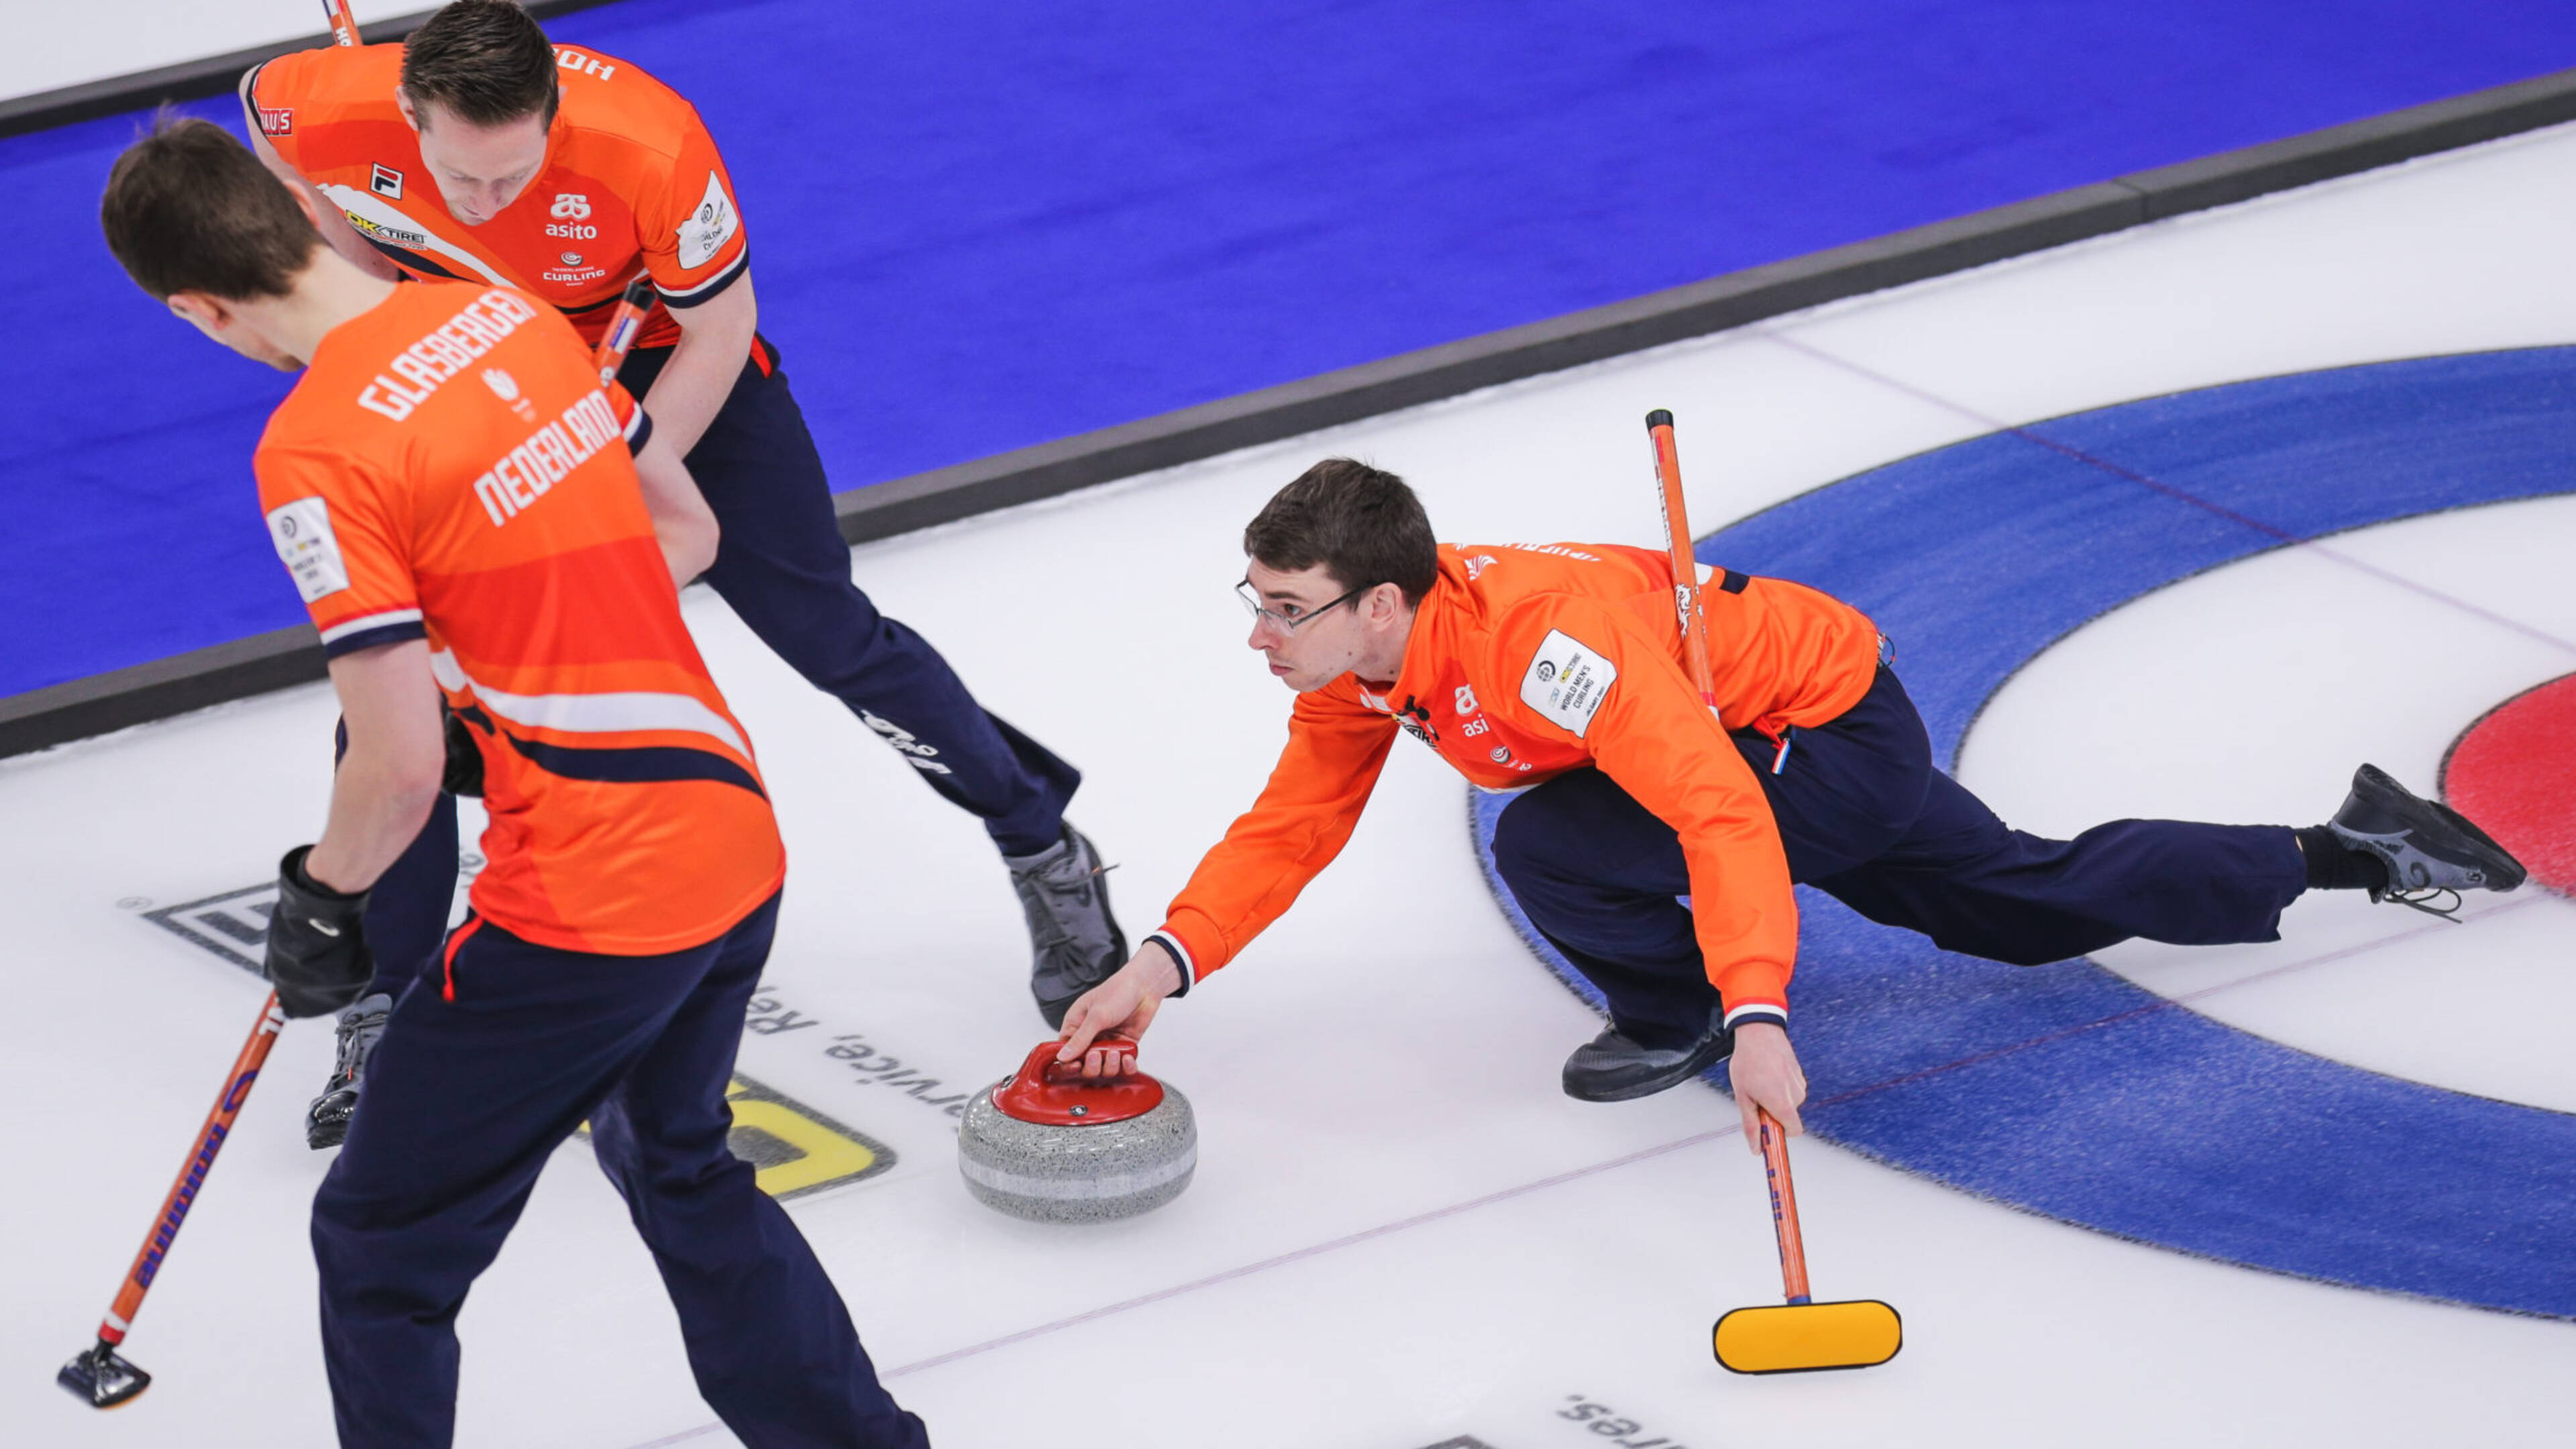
(1048, 1146)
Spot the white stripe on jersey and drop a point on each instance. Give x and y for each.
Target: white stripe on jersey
(340, 631)
(582, 714)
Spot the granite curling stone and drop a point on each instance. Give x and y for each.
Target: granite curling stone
(1045, 1145)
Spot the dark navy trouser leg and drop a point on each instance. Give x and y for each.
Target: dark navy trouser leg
(466, 1100)
(1597, 874)
(781, 566)
(1865, 817)
(784, 569)
(406, 919)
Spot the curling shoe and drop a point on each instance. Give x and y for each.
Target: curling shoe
(1614, 1067)
(1064, 892)
(361, 1022)
(2430, 849)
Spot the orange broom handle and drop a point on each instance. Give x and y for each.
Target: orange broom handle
(344, 26)
(192, 1173)
(1677, 542)
(1784, 1209)
(624, 325)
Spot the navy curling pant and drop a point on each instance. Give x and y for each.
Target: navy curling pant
(467, 1099)
(783, 568)
(1866, 818)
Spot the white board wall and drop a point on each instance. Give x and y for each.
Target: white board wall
(52, 44)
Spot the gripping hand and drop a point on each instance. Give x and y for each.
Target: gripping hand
(317, 946)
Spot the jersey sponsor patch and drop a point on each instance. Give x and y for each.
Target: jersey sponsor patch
(1567, 681)
(302, 532)
(385, 182)
(709, 227)
(276, 120)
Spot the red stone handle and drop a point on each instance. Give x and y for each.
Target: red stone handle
(1047, 1090)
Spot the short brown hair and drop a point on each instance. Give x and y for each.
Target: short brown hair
(1361, 523)
(190, 209)
(485, 61)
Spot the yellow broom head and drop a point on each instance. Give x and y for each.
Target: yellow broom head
(1795, 1337)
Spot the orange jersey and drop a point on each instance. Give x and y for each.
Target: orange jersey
(1527, 661)
(631, 182)
(450, 468)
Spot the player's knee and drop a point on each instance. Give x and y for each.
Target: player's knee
(1527, 841)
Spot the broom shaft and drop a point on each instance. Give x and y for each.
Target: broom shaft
(1784, 1209)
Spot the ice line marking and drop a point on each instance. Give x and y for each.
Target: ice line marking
(2129, 475)
(683, 1437)
(1333, 1245)
(1315, 1250)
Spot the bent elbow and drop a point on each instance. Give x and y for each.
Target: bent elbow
(692, 548)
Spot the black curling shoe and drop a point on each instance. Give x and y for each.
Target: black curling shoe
(2430, 849)
(1613, 1067)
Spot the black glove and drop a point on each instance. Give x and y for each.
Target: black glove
(464, 772)
(317, 943)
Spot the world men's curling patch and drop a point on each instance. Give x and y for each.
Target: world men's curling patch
(302, 531)
(709, 227)
(1567, 681)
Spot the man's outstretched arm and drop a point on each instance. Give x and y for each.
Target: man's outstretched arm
(1334, 755)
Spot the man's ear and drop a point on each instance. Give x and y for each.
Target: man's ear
(410, 112)
(209, 313)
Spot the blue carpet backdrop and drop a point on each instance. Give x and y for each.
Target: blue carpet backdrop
(984, 224)
(2065, 1089)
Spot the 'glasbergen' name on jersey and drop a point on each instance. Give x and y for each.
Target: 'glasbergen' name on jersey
(445, 352)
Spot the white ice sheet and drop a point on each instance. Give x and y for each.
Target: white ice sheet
(1388, 1053)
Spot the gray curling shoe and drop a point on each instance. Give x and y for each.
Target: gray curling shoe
(362, 1021)
(1064, 892)
(1613, 1067)
(2430, 849)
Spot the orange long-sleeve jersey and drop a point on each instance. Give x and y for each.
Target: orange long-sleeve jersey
(1527, 661)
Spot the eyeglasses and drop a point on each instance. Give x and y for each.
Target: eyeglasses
(1286, 623)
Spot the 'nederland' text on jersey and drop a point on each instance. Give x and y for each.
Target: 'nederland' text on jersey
(550, 452)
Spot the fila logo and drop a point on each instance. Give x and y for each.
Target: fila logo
(571, 207)
(386, 182)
